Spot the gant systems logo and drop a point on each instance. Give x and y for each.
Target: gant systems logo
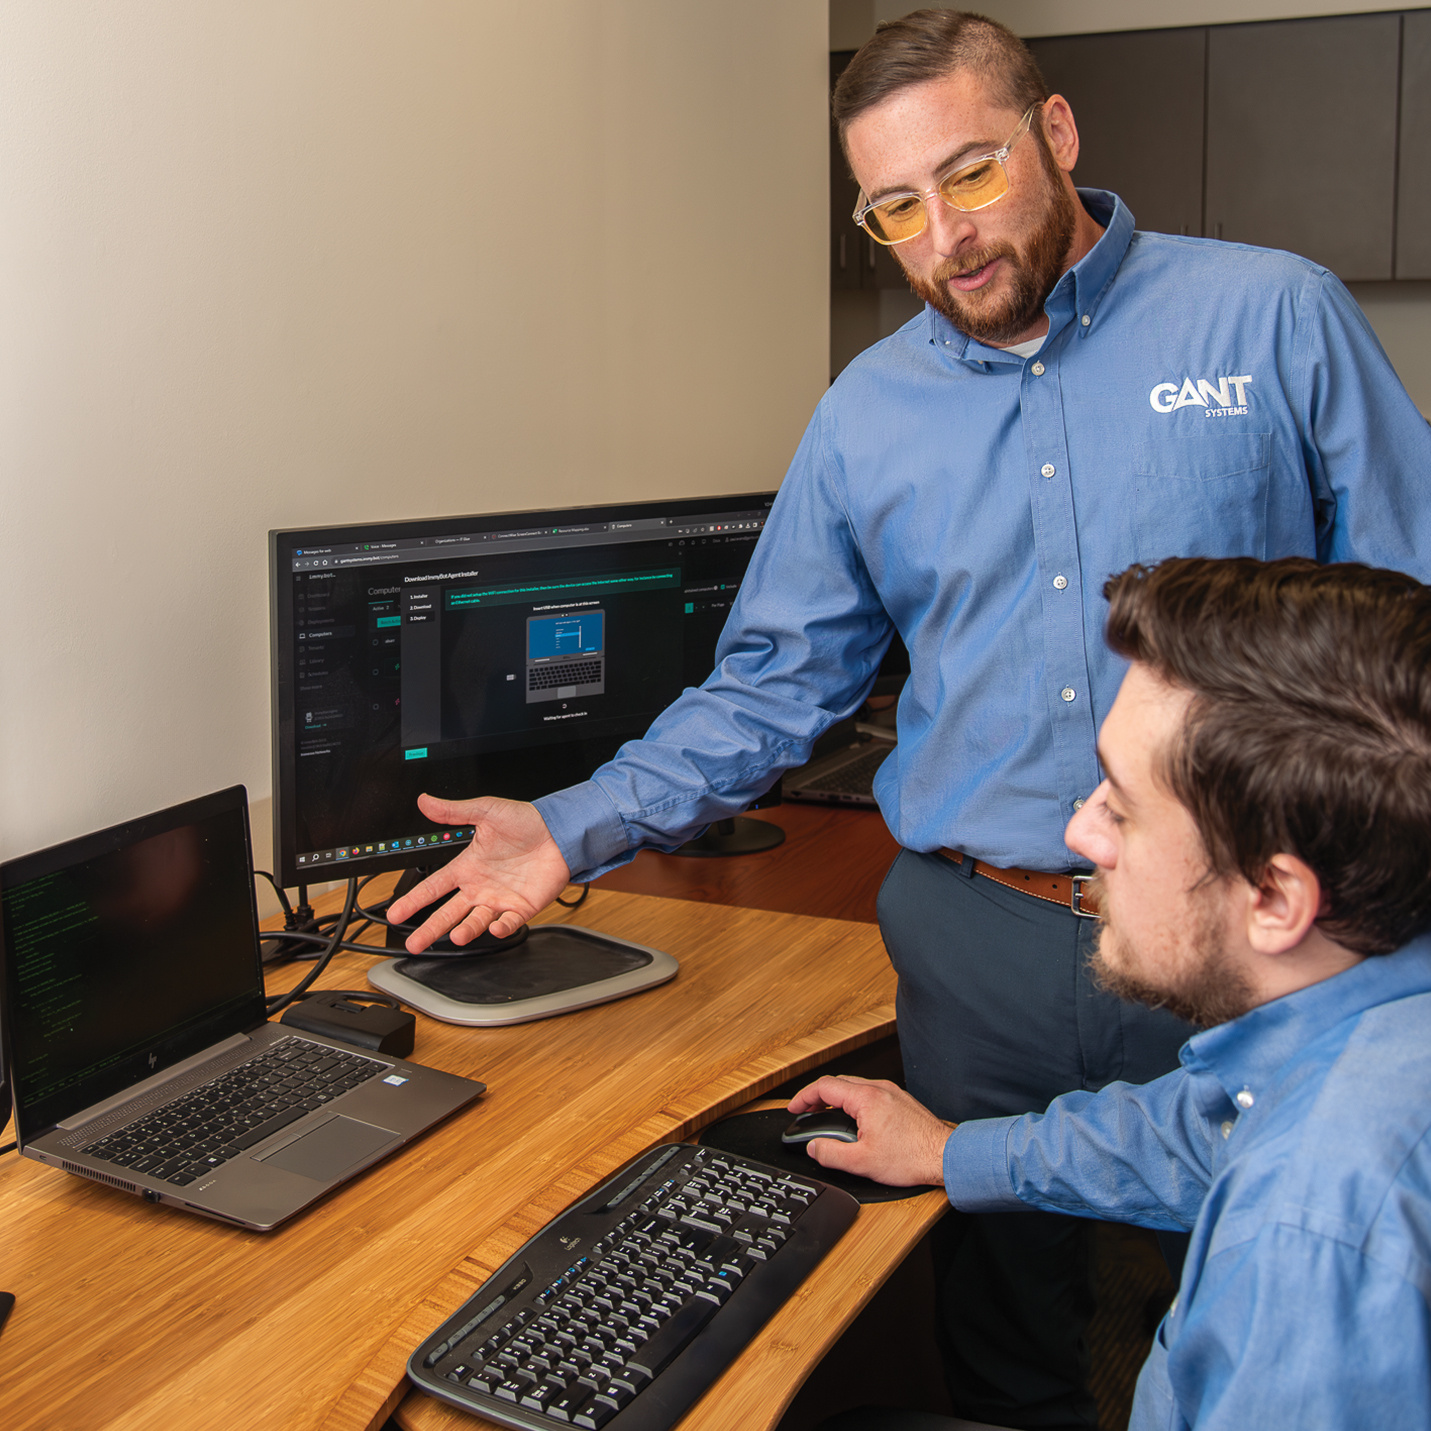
(1215, 398)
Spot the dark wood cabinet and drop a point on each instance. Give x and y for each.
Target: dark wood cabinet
(1137, 98)
(1413, 194)
(1301, 138)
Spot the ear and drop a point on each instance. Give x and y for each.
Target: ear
(1284, 905)
(1061, 132)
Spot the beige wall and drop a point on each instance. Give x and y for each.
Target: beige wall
(295, 261)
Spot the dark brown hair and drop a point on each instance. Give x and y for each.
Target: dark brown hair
(929, 44)
(1309, 731)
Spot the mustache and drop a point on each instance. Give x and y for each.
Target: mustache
(971, 263)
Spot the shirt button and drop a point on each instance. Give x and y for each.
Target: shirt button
(1037, 370)
(1048, 469)
(1227, 1128)
(1068, 693)
(1244, 1099)
(1059, 582)
(1086, 320)
(1078, 804)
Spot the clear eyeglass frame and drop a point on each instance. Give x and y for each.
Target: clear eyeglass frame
(999, 156)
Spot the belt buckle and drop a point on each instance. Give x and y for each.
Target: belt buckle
(1075, 898)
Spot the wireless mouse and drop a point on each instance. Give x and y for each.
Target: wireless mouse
(822, 1123)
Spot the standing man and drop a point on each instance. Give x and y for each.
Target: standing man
(1263, 842)
(1076, 396)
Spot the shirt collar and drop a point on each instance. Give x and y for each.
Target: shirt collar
(1077, 292)
(1245, 1055)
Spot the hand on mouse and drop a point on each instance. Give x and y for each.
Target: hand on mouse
(901, 1142)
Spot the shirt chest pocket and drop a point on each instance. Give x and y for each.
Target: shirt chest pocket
(1201, 494)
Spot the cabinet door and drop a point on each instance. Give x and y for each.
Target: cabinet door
(1413, 195)
(1137, 99)
(1301, 138)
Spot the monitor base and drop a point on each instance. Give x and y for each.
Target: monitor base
(734, 837)
(556, 969)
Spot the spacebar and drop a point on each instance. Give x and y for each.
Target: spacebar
(257, 1135)
(673, 1336)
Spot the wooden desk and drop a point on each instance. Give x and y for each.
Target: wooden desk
(143, 1318)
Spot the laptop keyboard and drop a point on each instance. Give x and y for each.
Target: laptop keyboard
(204, 1128)
(571, 673)
(856, 778)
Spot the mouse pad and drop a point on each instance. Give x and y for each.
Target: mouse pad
(757, 1135)
(331, 1148)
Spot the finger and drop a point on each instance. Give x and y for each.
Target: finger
(447, 812)
(806, 1099)
(832, 1153)
(438, 883)
(507, 924)
(438, 923)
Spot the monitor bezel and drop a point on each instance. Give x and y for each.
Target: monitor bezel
(282, 656)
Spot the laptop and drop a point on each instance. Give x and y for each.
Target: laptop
(844, 778)
(136, 1038)
(566, 656)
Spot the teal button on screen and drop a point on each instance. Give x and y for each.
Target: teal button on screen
(389, 621)
(417, 753)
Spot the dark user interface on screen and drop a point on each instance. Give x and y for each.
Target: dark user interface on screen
(510, 660)
(126, 960)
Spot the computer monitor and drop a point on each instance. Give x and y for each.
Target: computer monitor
(507, 654)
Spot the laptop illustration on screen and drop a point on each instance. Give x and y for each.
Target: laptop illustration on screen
(566, 656)
(137, 1038)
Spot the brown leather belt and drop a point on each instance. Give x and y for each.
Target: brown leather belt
(1054, 888)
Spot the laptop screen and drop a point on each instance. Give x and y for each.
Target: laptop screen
(126, 952)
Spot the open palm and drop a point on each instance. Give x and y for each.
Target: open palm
(511, 870)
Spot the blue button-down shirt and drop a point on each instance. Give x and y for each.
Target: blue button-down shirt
(1295, 1143)
(1191, 398)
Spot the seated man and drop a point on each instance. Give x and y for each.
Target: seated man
(1262, 842)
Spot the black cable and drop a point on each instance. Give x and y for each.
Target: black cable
(378, 951)
(282, 1001)
(578, 901)
(8, 1148)
(279, 891)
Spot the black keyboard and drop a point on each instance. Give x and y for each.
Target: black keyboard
(570, 673)
(624, 1309)
(201, 1129)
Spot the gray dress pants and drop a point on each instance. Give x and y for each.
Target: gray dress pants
(998, 1014)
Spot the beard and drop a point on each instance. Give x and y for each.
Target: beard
(1207, 989)
(1031, 273)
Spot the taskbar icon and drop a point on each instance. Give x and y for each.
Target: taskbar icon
(383, 849)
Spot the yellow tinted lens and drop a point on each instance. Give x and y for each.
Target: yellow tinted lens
(897, 220)
(975, 187)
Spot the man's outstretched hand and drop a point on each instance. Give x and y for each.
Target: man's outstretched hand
(901, 1141)
(511, 870)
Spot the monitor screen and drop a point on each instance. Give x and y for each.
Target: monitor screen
(508, 654)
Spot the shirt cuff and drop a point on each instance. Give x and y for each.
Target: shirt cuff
(587, 830)
(976, 1167)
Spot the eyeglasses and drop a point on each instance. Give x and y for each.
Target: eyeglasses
(975, 185)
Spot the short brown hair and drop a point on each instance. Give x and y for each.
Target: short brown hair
(1309, 731)
(927, 45)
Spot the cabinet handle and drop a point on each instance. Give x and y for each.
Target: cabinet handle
(871, 243)
(843, 263)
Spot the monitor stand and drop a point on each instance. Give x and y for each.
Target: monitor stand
(540, 971)
(738, 836)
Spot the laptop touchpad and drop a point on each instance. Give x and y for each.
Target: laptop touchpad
(331, 1148)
